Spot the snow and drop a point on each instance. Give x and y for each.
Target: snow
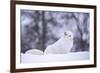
(34, 52)
(29, 58)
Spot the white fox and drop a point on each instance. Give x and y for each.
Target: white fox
(62, 46)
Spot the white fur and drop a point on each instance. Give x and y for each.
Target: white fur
(62, 46)
(34, 52)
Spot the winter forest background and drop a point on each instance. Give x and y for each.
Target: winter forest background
(42, 28)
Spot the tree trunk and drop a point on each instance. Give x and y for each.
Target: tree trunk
(43, 30)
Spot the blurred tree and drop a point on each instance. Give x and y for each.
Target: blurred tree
(42, 28)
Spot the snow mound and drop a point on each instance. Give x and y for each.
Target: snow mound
(34, 52)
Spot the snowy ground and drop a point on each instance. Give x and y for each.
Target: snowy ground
(29, 58)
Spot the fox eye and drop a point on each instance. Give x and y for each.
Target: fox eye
(69, 35)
